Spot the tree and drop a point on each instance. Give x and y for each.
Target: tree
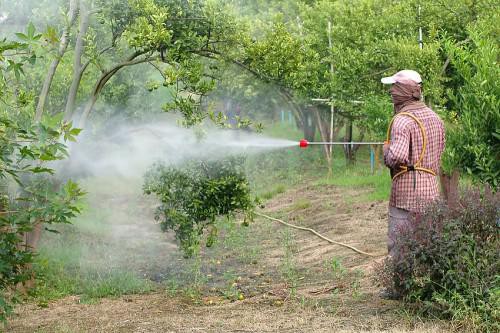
(286, 62)
(63, 44)
(179, 39)
(29, 198)
(474, 135)
(194, 196)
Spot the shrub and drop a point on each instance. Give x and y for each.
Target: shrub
(448, 265)
(193, 196)
(29, 196)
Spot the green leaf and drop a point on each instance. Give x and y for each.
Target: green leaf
(39, 169)
(75, 131)
(22, 36)
(31, 30)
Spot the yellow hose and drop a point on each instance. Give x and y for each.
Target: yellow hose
(319, 235)
(404, 168)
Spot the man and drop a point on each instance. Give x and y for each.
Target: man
(413, 153)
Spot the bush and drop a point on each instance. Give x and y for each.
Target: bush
(29, 195)
(194, 195)
(448, 265)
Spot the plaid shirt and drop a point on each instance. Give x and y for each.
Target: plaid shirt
(405, 148)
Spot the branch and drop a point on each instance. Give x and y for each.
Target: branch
(158, 69)
(85, 65)
(211, 54)
(448, 59)
(9, 212)
(132, 60)
(77, 61)
(376, 73)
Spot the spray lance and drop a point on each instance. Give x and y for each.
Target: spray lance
(304, 143)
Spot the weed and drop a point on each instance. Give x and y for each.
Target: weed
(193, 293)
(57, 280)
(356, 284)
(231, 291)
(335, 268)
(250, 255)
(172, 287)
(196, 277)
(237, 238)
(288, 268)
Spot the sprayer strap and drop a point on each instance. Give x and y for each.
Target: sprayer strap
(404, 169)
(416, 166)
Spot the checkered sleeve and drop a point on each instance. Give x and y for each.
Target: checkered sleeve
(397, 153)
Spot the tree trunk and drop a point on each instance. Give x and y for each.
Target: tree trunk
(449, 185)
(78, 69)
(303, 116)
(323, 131)
(308, 124)
(63, 44)
(348, 148)
(325, 128)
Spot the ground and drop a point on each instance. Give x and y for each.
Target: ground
(261, 278)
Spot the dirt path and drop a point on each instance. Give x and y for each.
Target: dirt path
(298, 282)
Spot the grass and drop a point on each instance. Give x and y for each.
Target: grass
(278, 189)
(288, 268)
(57, 280)
(301, 204)
(378, 183)
(359, 176)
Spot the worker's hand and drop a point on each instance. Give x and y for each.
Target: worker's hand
(386, 147)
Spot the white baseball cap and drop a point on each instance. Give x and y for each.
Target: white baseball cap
(401, 76)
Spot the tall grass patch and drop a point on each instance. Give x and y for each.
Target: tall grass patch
(57, 279)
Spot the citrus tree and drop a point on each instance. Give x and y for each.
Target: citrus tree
(474, 134)
(193, 196)
(29, 196)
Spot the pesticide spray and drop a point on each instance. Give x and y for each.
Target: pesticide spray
(116, 234)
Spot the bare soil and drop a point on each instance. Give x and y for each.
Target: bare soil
(301, 292)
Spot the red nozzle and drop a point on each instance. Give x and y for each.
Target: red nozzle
(303, 143)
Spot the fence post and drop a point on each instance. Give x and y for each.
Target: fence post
(372, 159)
